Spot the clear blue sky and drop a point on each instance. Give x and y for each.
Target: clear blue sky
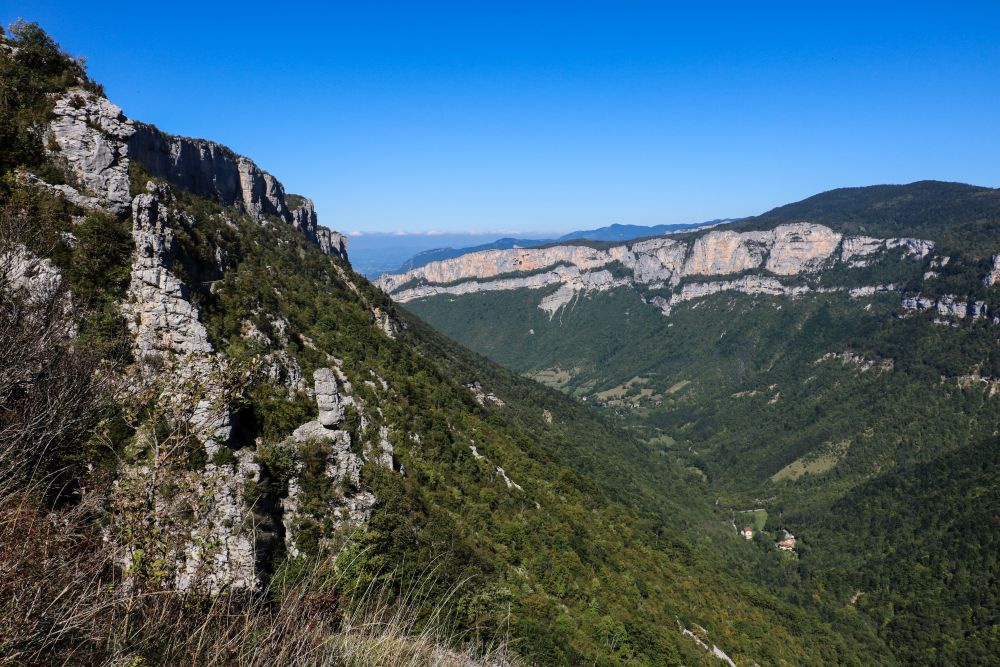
(549, 116)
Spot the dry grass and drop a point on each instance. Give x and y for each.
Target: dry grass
(814, 463)
(62, 601)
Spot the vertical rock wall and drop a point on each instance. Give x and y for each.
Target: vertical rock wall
(96, 143)
(177, 359)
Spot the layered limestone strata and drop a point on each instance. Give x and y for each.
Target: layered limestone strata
(660, 263)
(208, 169)
(96, 143)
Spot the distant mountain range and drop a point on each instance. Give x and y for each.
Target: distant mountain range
(613, 232)
(618, 232)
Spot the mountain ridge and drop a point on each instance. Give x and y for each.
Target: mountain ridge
(613, 232)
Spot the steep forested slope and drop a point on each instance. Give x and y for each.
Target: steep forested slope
(862, 422)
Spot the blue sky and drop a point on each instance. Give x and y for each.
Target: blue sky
(547, 117)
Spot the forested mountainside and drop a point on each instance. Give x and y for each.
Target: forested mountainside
(842, 388)
(220, 445)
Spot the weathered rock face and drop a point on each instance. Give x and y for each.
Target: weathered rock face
(491, 263)
(659, 263)
(947, 305)
(90, 133)
(207, 535)
(197, 523)
(801, 248)
(723, 253)
(96, 142)
(331, 409)
(746, 285)
(331, 242)
(22, 270)
(993, 276)
(175, 354)
(653, 261)
(176, 357)
(347, 506)
(208, 169)
(164, 320)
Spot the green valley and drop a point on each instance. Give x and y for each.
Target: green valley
(864, 425)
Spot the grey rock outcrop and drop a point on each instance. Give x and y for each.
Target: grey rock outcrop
(724, 252)
(660, 263)
(96, 143)
(208, 169)
(331, 242)
(800, 248)
(304, 218)
(747, 285)
(482, 396)
(90, 135)
(21, 270)
(331, 408)
(163, 318)
(348, 505)
(212, 170)
(947, 305)
(67, 192)
(199, 523)
(175, 354)
(220, 553)
(993, 276)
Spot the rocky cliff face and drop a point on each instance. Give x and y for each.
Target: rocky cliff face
(206, 526)
(948, 305)
(213, 548)
(798, 249)
(199, 524)
(994, 273)
(96, 143)
(89, 136)
(208, 169)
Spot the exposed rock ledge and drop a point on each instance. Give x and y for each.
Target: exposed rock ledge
(96, 142)
(659, 263)
(948, 305)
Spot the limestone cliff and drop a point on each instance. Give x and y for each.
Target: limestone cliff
(662, 263)
(201, 525)
(96, 143)
(948, 305)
